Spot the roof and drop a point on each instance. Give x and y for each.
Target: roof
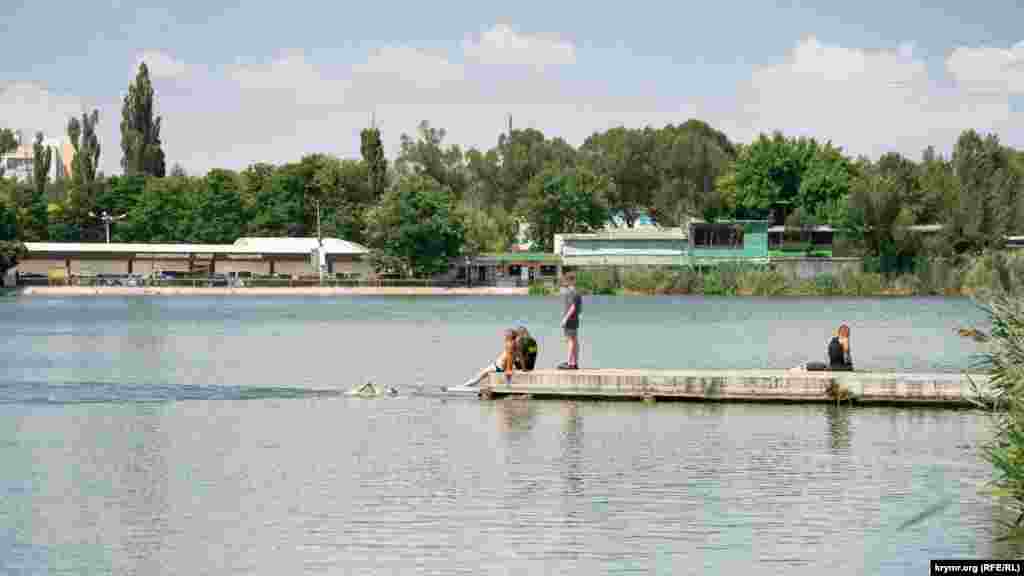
(629, 234)
(241, 246)
(518, 257)
(300, 245)
(812, 228)
(573, 251)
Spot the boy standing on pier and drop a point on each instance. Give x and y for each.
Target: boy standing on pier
(571, 320)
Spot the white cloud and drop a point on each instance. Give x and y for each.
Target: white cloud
(161, 64)
(987, 69)
(502, 45)
(30, 107)
(868, 102)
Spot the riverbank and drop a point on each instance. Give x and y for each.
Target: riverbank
(267, 291)
(929, 278)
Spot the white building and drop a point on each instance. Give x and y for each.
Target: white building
(18, 164)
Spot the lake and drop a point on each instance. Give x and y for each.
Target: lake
(195, 435)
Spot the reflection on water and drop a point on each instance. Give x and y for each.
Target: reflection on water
(838, 427)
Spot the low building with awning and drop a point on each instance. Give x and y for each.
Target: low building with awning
(257, 256)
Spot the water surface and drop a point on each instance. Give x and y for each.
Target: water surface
(208, 436)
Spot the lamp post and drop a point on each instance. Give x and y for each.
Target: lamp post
(106, 218)
(319, 243)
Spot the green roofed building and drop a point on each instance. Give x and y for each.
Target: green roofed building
(702, 244)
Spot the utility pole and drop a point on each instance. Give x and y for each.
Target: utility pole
(319, 242)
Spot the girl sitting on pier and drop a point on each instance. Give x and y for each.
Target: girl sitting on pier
(503, 364)
(839, 358)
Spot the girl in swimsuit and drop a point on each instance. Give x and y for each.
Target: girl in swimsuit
(504, 363)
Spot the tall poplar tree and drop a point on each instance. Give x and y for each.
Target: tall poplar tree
(372, 149)
(140, 130)
(87, 148)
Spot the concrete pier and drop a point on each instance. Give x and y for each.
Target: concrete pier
(742, 385)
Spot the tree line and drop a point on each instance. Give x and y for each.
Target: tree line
(437, 201)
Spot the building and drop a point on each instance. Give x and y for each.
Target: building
(703, 243)
(19, 163)
(257, 256)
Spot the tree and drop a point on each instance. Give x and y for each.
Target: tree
(416, 227)
(345, 191)
(983, 204)
(8, 143)
(279, 204)
(879, 218)
(87, 150)
(501, 175)
(216, 215)
(486, 230)
(42, 158)
(426, 155)
(10, 249)
(564, 202)
(163, 212)
(372, 149)
(691, 159)
(140, 131)
(627, 160)
(782, 172)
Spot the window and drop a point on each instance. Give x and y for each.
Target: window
(717, 236)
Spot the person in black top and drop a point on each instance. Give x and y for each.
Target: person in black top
(839, 350)
(838, 354)
(571, 321)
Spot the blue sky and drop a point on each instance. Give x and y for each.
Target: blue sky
(241, 82)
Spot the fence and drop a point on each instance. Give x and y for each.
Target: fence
(88, 281)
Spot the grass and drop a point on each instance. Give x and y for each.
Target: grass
(1003, 361)
(994, 271)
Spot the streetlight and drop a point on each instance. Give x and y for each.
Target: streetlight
(107, 219)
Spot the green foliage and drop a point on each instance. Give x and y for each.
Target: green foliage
(427, 156)
(216, 209)
(986, 198)
(417, 227)
(140, 131)
(279, 205)
(35, 224)
(500, 176)
(1003, 361)
(540, 289)
(879, 217)
(597, 281)
(784, 171)
(163, 211)
(627, 159)
(10, 253)
(564, 202)
(491, 231)
(8, 219)
(87, 148)
(692, 158)
(372, 149)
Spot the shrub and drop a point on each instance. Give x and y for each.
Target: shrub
(541, 289)
(1003, 361)
(596, 281)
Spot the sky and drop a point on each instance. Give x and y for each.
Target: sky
(252, 81)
